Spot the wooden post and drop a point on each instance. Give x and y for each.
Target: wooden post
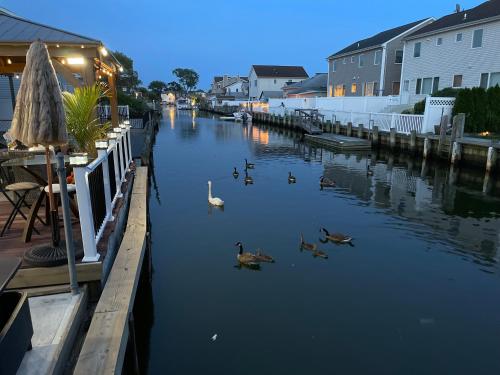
(457, 129)
(349, 129)
(413, 141)
(392, 138)
(360, 130)
(375, 136)
(456, 153)
(337, 127)
(442, 134)
(113, 101)
(427, 147)
(491, 159)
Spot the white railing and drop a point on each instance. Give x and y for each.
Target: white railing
(98, 186)
(104, 112)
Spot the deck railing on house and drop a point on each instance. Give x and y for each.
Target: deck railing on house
(98, 186)
(104, 113)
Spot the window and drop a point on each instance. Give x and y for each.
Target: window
(439, 41)
(494, 79)
(378, 58)
(396, 86)
(399, 56)
(236, 90)
(353, 59)
(361, 61)
(459, 37)
(369, 88)
(406, 86)
(457, 80)
(274, 81)
(435, 85)
(354, 88)
(427, 86)
(484, 80)
(416, 49)
(334, 66)
(477, 38)
(418, 88)
(255, 83)
(339, 90)
(344, 61)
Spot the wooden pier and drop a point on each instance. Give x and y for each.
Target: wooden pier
(339, 142)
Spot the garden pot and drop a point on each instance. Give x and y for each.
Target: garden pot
(16, 330)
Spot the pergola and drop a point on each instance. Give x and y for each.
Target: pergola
(79, 60)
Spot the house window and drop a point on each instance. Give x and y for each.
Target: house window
(439, 41)
(494, 79)
(339, 90)
(344, 61)
(353, 59)
(369, 88)
(418, 87)
(354, 88)
(334, 66)
(427, 86)
(399, 56)
(484, 80)
(457, 80)
(361, 62)
(274, 81)
(236, 90)
(378, 58)
(435, 85)
(477, 38)
(255, 83)
(406, 86)
(459, 37)
(416, 49)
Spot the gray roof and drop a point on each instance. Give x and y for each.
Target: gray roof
(318, 83)
(378, 39)
(14, 29)
(271, 95)
(283, 71)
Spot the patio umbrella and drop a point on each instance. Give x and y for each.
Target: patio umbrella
(39, 117)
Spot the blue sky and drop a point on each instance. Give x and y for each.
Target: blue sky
(227, 36)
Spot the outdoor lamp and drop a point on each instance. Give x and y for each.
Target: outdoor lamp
(76, 61)
(104, 51)
(117, 130)
(101, 144)
(111, 136)
(78, 159)
(126, 122)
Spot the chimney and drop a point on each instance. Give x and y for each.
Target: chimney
(458, 8)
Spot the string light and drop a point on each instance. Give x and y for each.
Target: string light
(9, 61)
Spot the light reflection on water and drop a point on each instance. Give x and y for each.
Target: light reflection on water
(418, 292)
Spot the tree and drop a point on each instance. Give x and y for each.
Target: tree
(156, 88)
(129, 78)
(188, 78)
(175, 88)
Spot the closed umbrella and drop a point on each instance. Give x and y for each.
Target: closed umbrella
(39, 119)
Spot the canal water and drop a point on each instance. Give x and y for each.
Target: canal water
(418, 292)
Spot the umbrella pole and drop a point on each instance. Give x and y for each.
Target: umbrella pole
(54, 220)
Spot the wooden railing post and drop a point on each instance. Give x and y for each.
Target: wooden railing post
(102, 153)
(85, 211)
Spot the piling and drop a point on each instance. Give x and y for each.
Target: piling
(375, 136)
(442, 135)
(413, 141)
(456, 153)
(337, 127)
(491, 159)
(349, 129)
(392, 138)
(427, 147)
(360, 130)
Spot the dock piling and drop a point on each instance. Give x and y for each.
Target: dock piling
(456, 153)
(491, 159)
(360, 130)
(413, 141)
(337, 127)
(375, 136)
(427, 147)
(392, 138)
(349, 129)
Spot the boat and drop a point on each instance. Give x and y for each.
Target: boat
(242, 116)
(183, 104)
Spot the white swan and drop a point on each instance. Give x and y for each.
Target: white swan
(213, 201)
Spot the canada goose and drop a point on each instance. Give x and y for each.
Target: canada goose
(337, 237)
(236, 174)
(247, 259)
(291, 178)
(261, 257)
(369, 172)
(248, 179)
(326, 182)
(249, 165)
(320, 254)
(307, 246)
(213, 201)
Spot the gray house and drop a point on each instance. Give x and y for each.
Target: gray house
(372, 66)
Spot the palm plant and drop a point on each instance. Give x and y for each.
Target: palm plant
(82, 121)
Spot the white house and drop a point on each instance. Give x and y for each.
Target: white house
(459, 50)
(237, 86)
(271, 78)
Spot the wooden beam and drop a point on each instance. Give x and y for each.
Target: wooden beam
(36, 277)
(105, 345)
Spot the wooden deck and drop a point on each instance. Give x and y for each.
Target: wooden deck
(339, 142)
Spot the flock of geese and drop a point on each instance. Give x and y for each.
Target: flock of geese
(253, 260)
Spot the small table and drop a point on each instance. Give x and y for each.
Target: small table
(8, 268)
(33, 161)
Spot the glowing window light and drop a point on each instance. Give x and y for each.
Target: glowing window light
(76, 61)
(104, 51)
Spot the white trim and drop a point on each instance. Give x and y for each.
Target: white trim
(462, 37)
(409, 31)
(383, 71)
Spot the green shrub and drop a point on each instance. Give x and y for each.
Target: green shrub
(482, 108)
(137, 107)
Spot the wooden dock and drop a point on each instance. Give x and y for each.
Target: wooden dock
(112, 327)
(339, 142)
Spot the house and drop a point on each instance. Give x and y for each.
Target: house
(77, 60)
(372, 66)
(309, 88)
(272, 78)
(237, 86)
(459, 50)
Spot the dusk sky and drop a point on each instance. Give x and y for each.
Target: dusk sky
(227, 36)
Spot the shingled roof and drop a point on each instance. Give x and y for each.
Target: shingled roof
(279, 71)
(484, 11)
(378, 39)
(14, 29)
(318, 83)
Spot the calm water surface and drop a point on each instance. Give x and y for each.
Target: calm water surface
(418, 293)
